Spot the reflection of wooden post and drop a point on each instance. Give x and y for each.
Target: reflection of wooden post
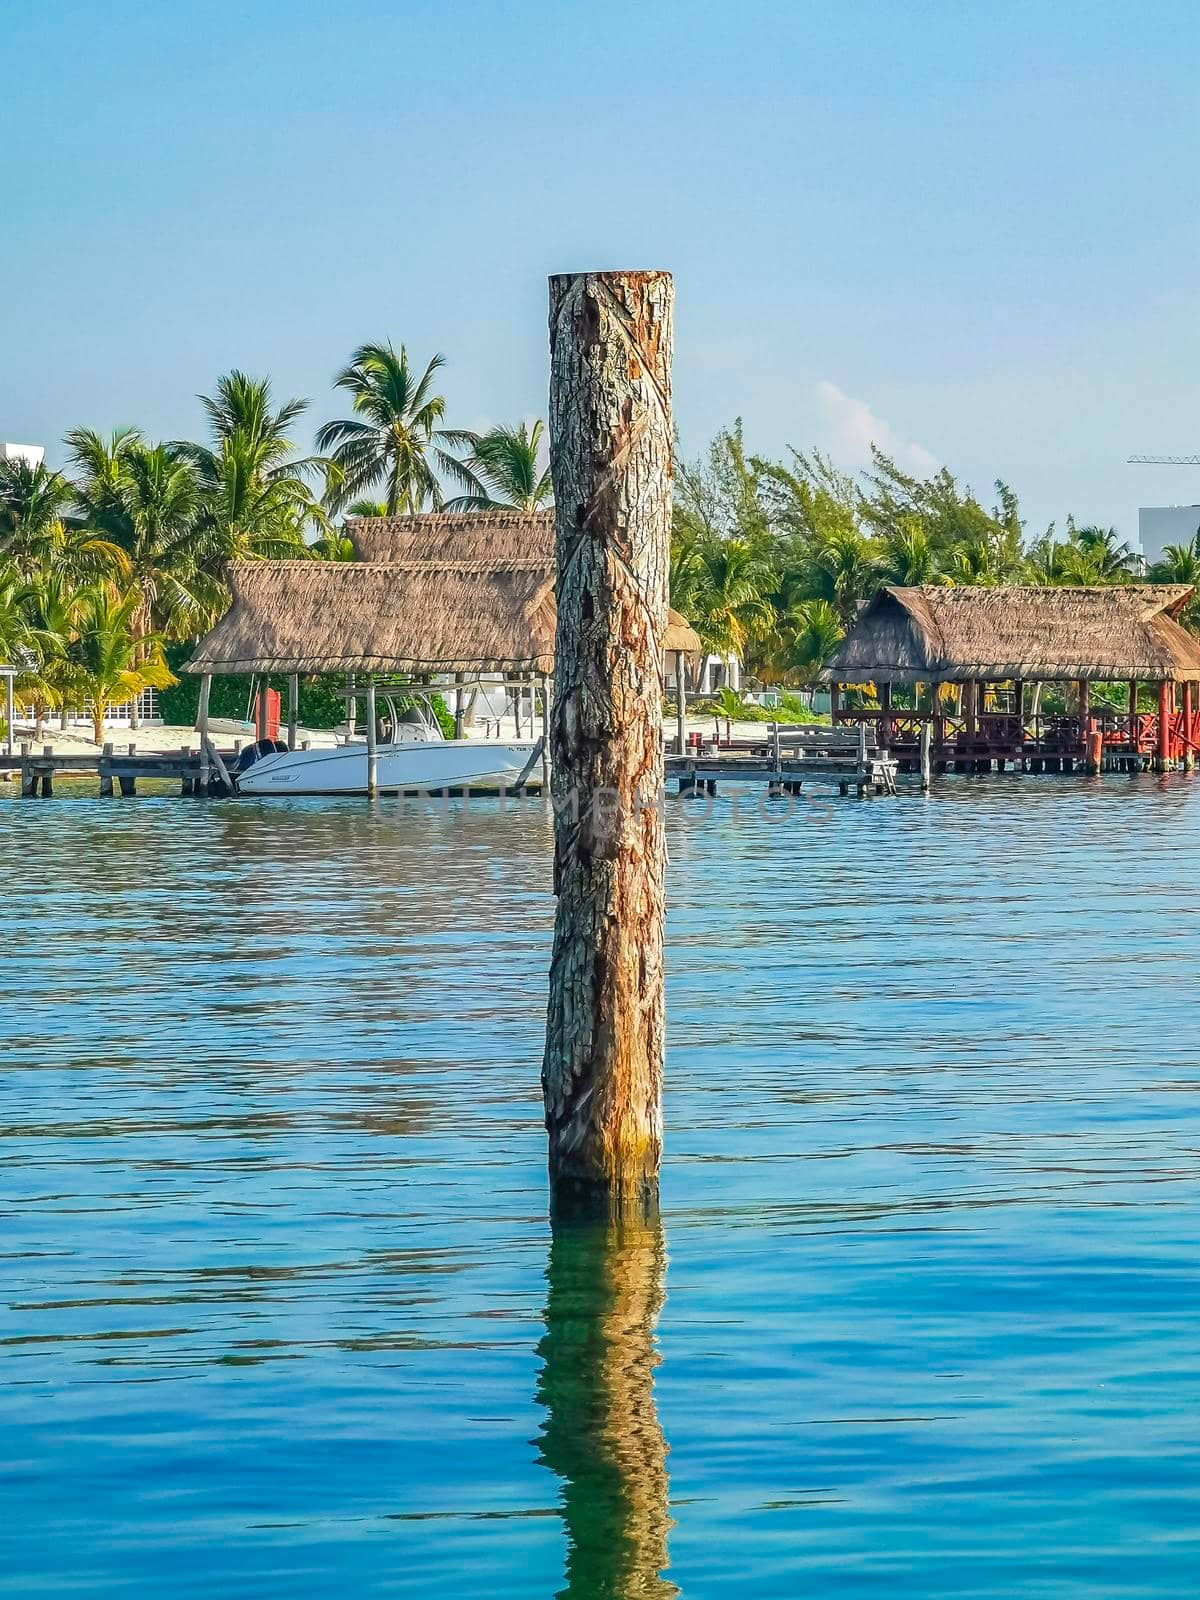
(610, 454)
(372, 734)
(601, 1435)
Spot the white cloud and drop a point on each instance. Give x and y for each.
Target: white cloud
(850, 427)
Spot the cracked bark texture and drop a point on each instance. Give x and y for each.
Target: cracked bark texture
(610, 456)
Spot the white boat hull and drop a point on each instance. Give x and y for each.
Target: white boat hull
(433, 764)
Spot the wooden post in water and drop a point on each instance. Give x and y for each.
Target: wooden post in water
(202, 730)
(926, 752)
(610, 455)
(372, 731)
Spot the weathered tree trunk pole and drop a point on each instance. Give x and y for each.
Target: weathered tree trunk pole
(610, 455)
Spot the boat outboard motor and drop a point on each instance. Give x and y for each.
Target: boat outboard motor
(255, 752)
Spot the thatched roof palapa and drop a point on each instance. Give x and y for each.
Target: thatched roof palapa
(498, 536)
(444, 592)
(941, 634)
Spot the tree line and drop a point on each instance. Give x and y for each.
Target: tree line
(107, 563)
(771, 559)
(104, 564)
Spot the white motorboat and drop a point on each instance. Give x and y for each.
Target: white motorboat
(416, 756)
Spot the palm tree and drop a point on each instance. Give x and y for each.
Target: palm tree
(1106, 553)
(505, 463)
(246, 514)
(730, 606)
(107, 663)
(1179, 563)
(146, 499)
(160, 496)
(254, 501)
(35, 534)
(241, 409)
(812, 631)
(394, 432)
(99, 464)
(843, 569)
(908, 555)
(333, 545)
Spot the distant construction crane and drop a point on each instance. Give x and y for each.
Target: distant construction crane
(1163, 461)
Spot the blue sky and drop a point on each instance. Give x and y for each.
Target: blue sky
(969, 230)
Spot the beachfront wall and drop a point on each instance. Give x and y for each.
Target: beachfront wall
(1003, 642)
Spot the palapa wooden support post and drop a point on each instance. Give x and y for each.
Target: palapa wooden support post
(9, 714)
(1162, 761)
(1133, 715)
(372, 734)
(545, 733)
(885, 721)
(458, 705)
(1189, 733)
(610, 456)
(293, 709)
(681, 702)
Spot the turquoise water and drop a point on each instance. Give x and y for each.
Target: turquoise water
(280, 1313)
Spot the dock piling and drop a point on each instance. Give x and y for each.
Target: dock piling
(610, 456)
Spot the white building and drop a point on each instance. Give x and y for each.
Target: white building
(1159, 526)
(715, 673)
(34, 454)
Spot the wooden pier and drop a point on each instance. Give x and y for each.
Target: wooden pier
(785, 758)
(196, 771)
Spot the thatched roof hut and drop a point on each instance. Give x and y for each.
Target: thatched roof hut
(499, 536)
(933, 634)
(446, 592)
(353, 616)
